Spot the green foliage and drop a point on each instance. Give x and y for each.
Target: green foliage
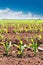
(1, 36)
(1, 31)
(6, 47)
(21, 48)
(8, 39)
(34, 47)
(15, 31)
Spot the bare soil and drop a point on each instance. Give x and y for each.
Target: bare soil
(28, 57)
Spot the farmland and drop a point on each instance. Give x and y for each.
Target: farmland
(21, 42)
(21, 21)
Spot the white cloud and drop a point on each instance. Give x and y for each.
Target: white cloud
(10, 14)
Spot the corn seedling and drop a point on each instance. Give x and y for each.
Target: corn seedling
(8, 39)
(0, 31)
(15, 31)
(34, 45)
(1, 36)
(6, 47)
(21, 48)
(5, 30)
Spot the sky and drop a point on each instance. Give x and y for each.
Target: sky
(21, 9)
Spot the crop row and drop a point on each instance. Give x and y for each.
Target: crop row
(20, 28)
(21, 47)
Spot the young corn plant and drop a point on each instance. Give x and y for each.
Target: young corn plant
(1, 31)
(15, 31)
(8, 39)
(34, 46)
(1, 37)
(21, 48)
(5, 30)
(6, 47)
(35, 43)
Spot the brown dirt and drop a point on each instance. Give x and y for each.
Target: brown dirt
(28, 57)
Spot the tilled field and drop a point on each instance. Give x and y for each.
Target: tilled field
(28, 57)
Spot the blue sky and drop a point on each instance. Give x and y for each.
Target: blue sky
(31, 6)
